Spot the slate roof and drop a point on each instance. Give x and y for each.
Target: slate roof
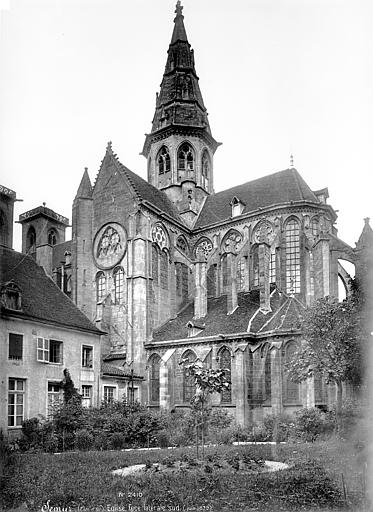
(41, 299)
(285, 315)
(280, 187)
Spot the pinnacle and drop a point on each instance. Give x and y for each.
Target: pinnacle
(85, 187)
(179, 33)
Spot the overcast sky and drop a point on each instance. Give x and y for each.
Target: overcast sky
(277, 77)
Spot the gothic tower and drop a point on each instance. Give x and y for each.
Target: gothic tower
(180, 147)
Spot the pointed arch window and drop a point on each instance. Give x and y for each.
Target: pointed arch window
(291, 388)
(315, 227)
(292, 252)
(182, 285)
(241, 264)
(52, 237)
(272, 266)
(185, 159)
(163, 161)
(163, 271)
(188, 380)
(155, 363)
(155, 258)
(205, 169)
(118, 277)
(211, 281)
(224, 271)
(255, 264)
(100, 286)
(267, 377)
(31, 240)
(225, 363)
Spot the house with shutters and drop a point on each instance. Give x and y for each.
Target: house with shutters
(172, 270)
(42, 332)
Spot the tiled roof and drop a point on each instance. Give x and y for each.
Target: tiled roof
(277, 188)
(59, 253)
(113, 371)
(218, 322)
(41, 299)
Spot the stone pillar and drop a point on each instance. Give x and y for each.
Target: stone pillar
(276, 381)
(310, 392)
(200, 300)
(264, 287)
(232, 282)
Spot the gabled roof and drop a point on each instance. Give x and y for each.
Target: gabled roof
(278, 188)
(42, 300)
(247, 318)
(142, 189)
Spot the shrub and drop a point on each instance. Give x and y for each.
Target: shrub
(117, 441)
(309, 423)
(83, 439)
(101, 440)
(162, 439)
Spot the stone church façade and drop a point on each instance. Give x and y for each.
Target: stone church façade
(171, 270)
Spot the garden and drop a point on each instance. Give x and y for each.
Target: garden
(69, 463)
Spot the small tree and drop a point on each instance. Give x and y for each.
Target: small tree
(69, 390)
(333, 345)
(207, 381)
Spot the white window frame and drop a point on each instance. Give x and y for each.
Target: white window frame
(92, 353)
(53, 394)
(87, 400)
(43, 351)
(17, 393)
(115, 393)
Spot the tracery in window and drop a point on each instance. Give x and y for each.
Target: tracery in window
(272, 266)
(255, 264)
(182, 245)
(188, 380)
(291, 388)
(182, 286)
(100, 286)
(163, 271)
(292, 254)
(241, 264)
(163, 161)
(154, 373)
(205, 169)
(118, 277)
(185, 160)
(211, 281)
(225, 363)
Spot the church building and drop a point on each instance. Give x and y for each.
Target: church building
(172, 270)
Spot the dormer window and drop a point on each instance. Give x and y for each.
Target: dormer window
(194, 328)
(237, 207)
(11, 296)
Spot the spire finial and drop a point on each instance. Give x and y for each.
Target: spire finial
(108, 147)
(179, 8)
(366, 220)
(291, 161)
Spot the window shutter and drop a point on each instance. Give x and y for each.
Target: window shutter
(40, 347)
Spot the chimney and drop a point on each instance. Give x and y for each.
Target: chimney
(200, 300)
(231, 282)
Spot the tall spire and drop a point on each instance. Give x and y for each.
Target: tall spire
(179, 102)
(179, 33)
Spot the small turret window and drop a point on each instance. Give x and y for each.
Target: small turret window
(164, 161)
(31, 240)
(185, 160)
(52, 237)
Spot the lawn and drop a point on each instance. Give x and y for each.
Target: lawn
(322, 476)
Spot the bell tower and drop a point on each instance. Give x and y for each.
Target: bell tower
(180, 147)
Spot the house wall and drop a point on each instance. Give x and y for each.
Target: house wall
(37, 374)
